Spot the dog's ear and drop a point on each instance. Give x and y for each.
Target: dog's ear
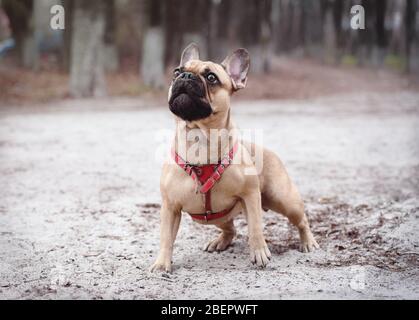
(237, 66)
(191, 52)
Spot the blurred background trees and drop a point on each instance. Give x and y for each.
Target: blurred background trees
(146, 36)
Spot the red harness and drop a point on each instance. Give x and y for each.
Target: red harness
(207, 175)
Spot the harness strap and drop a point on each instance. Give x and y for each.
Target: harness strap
(212, 216)
(208, 184)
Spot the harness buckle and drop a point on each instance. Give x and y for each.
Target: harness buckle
(225, 161)
(206, 215)
(188, 169)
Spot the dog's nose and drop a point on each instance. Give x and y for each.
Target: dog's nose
(187, 76)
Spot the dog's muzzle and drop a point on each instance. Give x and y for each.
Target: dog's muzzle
(188, 100)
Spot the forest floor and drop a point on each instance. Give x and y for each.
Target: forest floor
(79, 216)
(289, 78)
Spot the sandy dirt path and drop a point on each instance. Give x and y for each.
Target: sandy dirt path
(80, 200)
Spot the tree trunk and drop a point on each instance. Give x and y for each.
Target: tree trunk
(66, 50)
(338, 13)
(380, 46)
(213, 29)
(152, 64)
(111, 55)
(366, 36)
(411, 8)
(152, 60)
(275, 22)
(87, 66)
(19, 13)
(329, 36)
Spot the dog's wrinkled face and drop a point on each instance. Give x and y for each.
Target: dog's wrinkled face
(201, 89)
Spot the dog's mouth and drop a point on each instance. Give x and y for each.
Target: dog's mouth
(188, 100)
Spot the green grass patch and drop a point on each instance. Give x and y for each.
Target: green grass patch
(395, 62)
(349, 60)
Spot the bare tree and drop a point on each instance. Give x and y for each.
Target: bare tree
(411, 9)
(152, 60)
(19, 13)
(329, 33)
(213, 28)
(68, 32)
(87, 42)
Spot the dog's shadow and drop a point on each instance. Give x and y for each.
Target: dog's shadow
(235, 256)
(196, 258)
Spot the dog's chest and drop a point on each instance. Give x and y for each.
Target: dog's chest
(224, 193)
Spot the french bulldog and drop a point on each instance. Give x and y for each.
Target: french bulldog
(199, 97)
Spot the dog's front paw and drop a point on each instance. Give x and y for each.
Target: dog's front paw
(260, 255)
(161, 264)
(308, 243)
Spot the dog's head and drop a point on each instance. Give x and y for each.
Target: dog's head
(201, 89)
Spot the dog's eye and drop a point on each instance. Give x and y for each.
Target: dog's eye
(211, 77)
(176, 73)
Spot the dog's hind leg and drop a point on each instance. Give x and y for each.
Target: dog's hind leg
(292, 207)
(280, 195)
(224, 239)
